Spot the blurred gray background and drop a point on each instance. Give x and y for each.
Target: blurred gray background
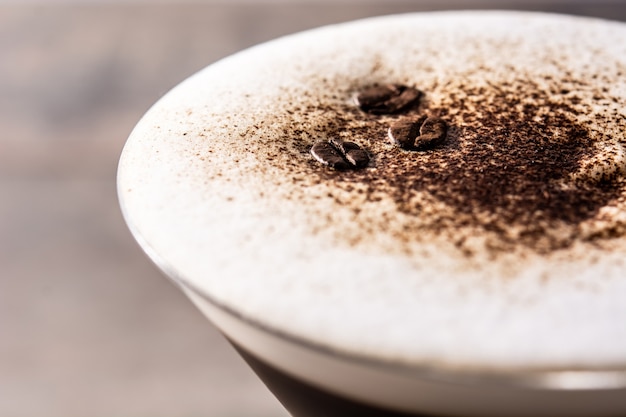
(88, 326)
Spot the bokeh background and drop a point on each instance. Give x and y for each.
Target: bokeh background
(88, 326)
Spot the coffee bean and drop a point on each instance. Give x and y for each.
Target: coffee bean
(432, 132)
(326, 154)
(407, 97)
(372, 97)
(352, 152)
(420, 134)
(387, 99)
(339, 154)
(403, 132)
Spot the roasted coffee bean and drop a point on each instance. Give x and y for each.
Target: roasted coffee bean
(339, 154)
(387, 99)
(403, 132)
(432, 132)
(372, 97)
(407, 97)
(352, 152)
(420, 134)
(327, 154)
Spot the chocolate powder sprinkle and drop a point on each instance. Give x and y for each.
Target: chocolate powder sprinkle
(504, 169)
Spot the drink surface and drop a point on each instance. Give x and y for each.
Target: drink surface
(503, 247)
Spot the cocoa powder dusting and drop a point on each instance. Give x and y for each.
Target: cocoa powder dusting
(504, 170)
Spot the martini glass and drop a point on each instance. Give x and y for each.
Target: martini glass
(177, 198)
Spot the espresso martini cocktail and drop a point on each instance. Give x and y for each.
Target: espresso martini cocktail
(421, 213)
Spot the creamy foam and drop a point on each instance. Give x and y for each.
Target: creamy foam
(504, 247)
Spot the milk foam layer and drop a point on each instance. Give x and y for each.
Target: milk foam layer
(473, 255)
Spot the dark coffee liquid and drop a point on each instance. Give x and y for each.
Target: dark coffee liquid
(304, 400)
